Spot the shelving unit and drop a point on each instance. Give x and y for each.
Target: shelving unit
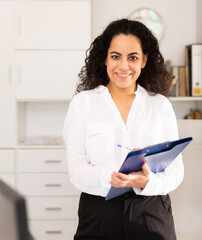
(182, 105)
(40, 60)
(35, 132)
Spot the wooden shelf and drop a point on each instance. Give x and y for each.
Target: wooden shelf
(41, 147)
(31, 100)
(185, 99)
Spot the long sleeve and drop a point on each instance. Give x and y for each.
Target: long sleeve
(93, 179)
(164, 182)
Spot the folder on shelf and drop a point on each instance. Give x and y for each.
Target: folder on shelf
(196, 69)
(158, 157)
(193, 59)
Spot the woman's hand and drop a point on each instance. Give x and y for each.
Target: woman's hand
(134, 179)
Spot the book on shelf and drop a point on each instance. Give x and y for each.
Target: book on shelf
(168, 65)
(187, 73)
(174, 88)
(193, 61)
(194, 114)
(187, 79)
(182, 82)
(178, 83)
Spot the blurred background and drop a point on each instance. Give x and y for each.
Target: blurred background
(42, 49)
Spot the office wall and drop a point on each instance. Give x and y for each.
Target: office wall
(199, 21)
(179, 17)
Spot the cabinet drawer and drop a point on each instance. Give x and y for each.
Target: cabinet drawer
(45, 185)
(52, 208)
(41, 161)
(6, 161)
(54, 230)
(8, 178)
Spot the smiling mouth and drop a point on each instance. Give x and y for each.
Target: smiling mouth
(123, 75)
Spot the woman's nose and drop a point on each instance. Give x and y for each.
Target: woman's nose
(124, 65)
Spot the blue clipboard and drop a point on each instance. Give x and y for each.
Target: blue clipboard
(158, 157)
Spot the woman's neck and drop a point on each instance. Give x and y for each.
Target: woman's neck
(121, 92)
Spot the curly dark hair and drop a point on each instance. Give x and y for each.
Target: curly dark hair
(154, 77)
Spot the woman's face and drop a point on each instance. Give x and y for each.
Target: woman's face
(125, 61)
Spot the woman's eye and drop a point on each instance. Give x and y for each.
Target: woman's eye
(133, 58)
(115, 57)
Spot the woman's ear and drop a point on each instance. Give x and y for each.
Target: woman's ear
(144, 62)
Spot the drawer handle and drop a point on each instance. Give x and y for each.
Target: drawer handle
(53, 232)
(53, 185)
(53, 161)
(53, 209)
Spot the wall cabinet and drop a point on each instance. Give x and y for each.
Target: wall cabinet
(47, 74)
(7, 97)
(52, 24)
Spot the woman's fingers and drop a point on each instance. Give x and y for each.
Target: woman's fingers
(134, 179)
(119, 179)
(145, 169)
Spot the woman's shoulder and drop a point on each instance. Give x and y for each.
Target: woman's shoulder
(155, 98)
(87, 95)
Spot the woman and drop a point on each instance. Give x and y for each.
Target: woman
(120, 101)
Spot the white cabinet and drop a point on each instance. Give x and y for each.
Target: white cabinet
(40, 160)
(53, 184)
(47, 74)
(7, 166)
(52, 208)
(43, 179)
(50, 48)
(42, 49)
(52, 24)
(7, 100)
(7, 161)
(55, 230)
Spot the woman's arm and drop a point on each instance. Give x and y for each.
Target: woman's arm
(85, 176)
(164, 182)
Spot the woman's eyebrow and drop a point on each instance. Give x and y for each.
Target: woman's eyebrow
(132, 53)
(114, 52)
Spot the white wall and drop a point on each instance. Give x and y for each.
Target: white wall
(179, 17)
(199, 21)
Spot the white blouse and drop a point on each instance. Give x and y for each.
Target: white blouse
(93, 128)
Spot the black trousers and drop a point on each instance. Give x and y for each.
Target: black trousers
(127, 217)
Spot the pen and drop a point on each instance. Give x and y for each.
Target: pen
(119, 145)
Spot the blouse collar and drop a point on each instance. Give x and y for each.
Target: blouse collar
(102, 88)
